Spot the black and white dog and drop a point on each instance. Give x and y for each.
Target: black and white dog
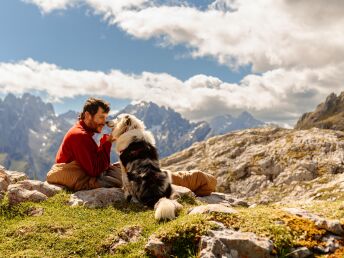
(141, 175)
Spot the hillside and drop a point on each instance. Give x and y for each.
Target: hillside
(270, 164)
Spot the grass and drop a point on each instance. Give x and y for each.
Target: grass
(64, 231)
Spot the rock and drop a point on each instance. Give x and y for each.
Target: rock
(31, 190)
(35, 211)
(17, 194)
(130, 234)
(327, 115)
(332, 243)
(97, 198)
(230, 243)
(43, 187)
(301, 252)
(4, 181)
(224, 199)
(15, 176)
(157, 248)
(333, 226)
(270, 161)
(211, 208)
(179, 191)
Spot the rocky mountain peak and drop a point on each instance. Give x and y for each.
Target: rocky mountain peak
(327, 115)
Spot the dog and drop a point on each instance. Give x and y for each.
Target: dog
(142, 177)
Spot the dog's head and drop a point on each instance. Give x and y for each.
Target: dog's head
(124, 123)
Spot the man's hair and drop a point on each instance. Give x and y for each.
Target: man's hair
(92, 104)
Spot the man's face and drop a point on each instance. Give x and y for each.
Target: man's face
(97, 121)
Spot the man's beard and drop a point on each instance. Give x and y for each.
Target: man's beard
(94, 126)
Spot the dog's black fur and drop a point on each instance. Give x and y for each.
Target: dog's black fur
(142, 162)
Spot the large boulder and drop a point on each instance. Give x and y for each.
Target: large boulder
(16, 176)
(97, 198)
(17, 194)
(230, 243)
(31, 190)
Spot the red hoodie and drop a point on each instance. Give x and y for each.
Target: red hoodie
(79, 145)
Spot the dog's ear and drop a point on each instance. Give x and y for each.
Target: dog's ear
(110, 123)
(127, 120)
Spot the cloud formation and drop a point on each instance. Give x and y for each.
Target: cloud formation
(294, 47)
(277, 95)
(266, 34)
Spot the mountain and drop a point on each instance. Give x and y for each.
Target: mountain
(171, 131)
(327, 115)
(31, 134)
(227, 123)
(174, 133)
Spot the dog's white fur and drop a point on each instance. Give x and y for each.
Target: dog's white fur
(125, 139)
(124, 134)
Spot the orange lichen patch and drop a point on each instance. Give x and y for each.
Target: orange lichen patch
(304, 231)
(338, 253)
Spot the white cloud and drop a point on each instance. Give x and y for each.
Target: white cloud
(296, 46)
(266, 34)
(278, 95)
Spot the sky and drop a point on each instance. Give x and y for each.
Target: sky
(273, 58)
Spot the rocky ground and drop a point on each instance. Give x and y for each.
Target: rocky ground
(282, 194)
(270, 164)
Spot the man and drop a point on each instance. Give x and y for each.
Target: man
(80, 163)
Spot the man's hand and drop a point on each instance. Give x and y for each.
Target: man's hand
(107, 138)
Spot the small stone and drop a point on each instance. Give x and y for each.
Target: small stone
(35, 211)
(301, 252)
(211, 208)
(157, 248)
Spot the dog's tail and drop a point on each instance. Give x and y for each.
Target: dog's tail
(167, 209)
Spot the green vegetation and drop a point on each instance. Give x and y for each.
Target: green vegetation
(64, 231)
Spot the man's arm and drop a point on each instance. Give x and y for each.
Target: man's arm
(93, 159)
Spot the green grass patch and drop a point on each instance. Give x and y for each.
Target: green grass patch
(64, 231)
(184, 234)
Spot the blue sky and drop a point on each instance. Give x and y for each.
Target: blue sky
(202, 58)
(78, 40)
